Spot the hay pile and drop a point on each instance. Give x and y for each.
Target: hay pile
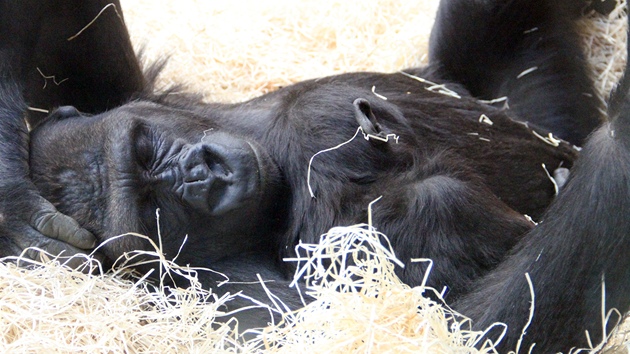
(360, 307)
(235, 50)
(604, 40)
(50, 308)
(232, 51)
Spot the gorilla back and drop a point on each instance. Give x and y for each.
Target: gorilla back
(455, 183)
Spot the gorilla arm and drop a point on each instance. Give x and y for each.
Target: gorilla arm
(27, 219)
(82, 43)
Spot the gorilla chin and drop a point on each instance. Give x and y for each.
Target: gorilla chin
(209, 185)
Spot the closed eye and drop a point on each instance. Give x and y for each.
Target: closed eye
(145, 145)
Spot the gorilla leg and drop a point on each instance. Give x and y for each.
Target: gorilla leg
(582, 246)
(526, 50)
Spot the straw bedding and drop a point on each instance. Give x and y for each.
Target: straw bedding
(232, 51)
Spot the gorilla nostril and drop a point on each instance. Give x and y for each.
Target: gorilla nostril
(217, 168)
(215, 162)
(201, 162)
(197, 173)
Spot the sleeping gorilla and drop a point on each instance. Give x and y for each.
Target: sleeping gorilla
(235, 178)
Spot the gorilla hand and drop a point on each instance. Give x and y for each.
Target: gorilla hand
(29, 222)
(27, 219)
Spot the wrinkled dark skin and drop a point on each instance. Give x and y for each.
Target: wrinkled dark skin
(233, 179)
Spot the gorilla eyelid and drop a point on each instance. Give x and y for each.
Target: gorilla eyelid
(144, 146)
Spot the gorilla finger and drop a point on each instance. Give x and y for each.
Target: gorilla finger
(61, 227)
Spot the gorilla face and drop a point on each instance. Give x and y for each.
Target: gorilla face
(111, 172)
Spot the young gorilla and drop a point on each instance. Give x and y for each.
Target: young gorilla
(235, 178)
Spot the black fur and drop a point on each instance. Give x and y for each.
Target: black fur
(455, 187)
(496, 43)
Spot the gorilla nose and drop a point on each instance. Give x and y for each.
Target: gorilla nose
(204, 176)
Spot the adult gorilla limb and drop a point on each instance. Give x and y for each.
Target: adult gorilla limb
(27, 219)
(527, 51)
(70, 53)
(579, 250)
(59, 56)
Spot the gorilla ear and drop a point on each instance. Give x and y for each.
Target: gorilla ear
(366, 119)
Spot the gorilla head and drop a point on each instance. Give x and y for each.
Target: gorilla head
(111, 172)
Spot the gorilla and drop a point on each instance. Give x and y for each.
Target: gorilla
(460, 178)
